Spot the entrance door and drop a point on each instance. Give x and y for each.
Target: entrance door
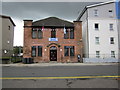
(53, 54)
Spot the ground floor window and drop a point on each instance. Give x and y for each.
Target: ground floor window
(68, 50)
(40, 51)
(35, 49)
(97, 54)
(113, 54)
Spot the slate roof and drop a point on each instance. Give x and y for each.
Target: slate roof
(54, 22)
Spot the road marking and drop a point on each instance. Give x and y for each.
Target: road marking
(75, 77)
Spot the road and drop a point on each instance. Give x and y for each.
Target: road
(60, 71)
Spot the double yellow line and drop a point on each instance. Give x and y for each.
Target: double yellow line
(74, 77)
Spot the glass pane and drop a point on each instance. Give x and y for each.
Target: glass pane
(34, 51)
(40, 34)
(96, 26)
(72, 51)
(111, 26)
(53, 33)
(39, 50)
(111, 40)
(66, 51)
(113, 54)
(97, 40)
(66, 36)
(72, 34)
(34, 33)
(97, 54)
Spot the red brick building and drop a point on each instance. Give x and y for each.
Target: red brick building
(52, 39)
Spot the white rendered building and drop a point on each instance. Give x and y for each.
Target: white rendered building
(100, 31)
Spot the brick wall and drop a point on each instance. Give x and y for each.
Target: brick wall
(46, 44)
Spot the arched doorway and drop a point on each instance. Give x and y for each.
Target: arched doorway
(53, 53)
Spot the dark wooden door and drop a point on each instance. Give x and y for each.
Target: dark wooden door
(53, 55)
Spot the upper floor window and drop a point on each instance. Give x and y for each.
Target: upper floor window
(40, 34)
(37, 33)
(96, 26)
(8, 27)
(66, 35)
(110, 13)
(97, 54)
(95, 12)
(97, 40)
(69, 34)
(53, 33)
(111, 40)
(111, 26)
(72, 33)
(34, 33)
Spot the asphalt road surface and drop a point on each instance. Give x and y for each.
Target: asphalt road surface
(61, 71)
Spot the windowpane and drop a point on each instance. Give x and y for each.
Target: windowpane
(39, 50)
(72, 51)
(96, 26)
(97, 40)
(34, 33)
(33, 51)
(97, 54)
(110, 13)
(40, 34)
(66, 51)
(95, 12)
(112, 40)
(66, 36)
(111, 26)
(53, 33)
(8, 27)
(113, 54)
(71, 33)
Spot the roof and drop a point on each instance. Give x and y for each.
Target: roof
(3, 16)
(93, 5)
(53, 21)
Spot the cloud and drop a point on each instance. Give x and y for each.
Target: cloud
(39, 10)
(18, 33)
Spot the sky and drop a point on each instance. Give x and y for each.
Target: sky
(20, 11)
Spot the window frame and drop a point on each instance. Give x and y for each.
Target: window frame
(66, 36)
(34, 30)
(33, 48)
(69, 53)
(97, 26)
(72, 33)
(111, 25)
(97, 54)
(72, 47)
(112, 54)
(112, 40)
(40, 33)
(110, 13)
(95, 12)
(97, 40)
(65, 48)
(53, 33)
(40, 51)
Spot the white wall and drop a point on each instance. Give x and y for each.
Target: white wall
(84, 34)
(104, 34)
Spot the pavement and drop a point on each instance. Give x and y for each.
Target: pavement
(58, 64)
